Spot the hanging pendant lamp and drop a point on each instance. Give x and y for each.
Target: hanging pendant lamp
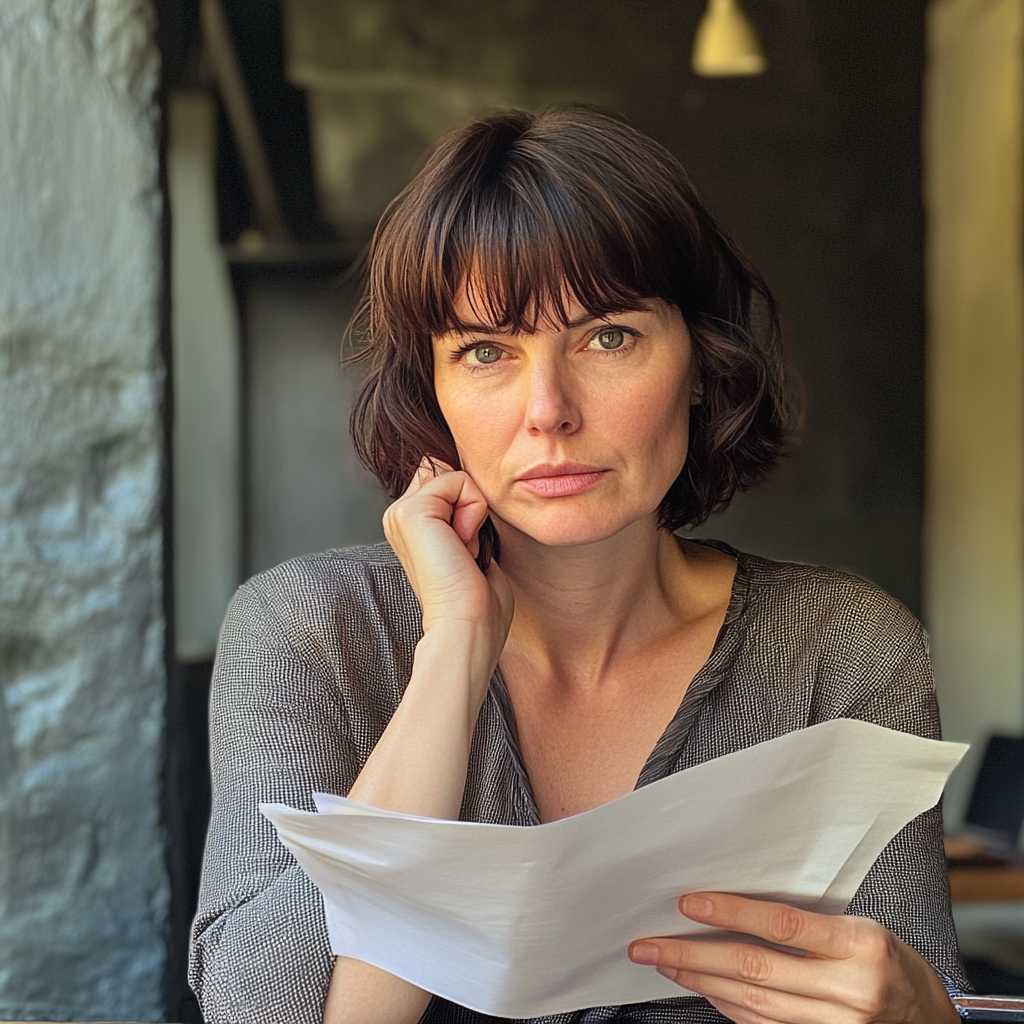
(726, 43)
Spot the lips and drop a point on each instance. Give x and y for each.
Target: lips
(551, 469)
(560, 480)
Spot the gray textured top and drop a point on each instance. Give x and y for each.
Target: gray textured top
(312, 662)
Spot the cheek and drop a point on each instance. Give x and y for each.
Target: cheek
(657, 427)
(480, 451)
(481, 426)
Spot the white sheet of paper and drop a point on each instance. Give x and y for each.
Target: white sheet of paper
(525, 921)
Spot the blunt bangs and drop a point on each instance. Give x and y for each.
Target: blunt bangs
(524, 213)
(533, 227)
(521, 260)
(526, 243)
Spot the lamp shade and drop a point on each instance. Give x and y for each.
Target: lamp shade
(726, 43)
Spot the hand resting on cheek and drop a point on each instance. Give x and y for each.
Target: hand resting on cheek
(434, 529)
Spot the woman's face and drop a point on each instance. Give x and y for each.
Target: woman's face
(578, 430)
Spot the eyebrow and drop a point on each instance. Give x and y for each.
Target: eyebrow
(585, 318)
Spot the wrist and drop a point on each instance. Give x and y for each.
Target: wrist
(418, 765)
(463, 643)
(456, 659)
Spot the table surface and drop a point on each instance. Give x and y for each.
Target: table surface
(973, 876)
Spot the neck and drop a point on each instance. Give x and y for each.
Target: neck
(578, 609)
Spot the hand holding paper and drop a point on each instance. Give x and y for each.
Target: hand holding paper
(856, 969)
(518, 921)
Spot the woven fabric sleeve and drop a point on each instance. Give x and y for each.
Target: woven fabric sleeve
(260, 953)
(907, 889)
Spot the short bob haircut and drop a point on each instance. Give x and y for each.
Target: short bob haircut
(569, 201)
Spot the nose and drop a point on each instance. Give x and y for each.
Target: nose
(551, 405)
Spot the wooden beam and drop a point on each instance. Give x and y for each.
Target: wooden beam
(228, 75)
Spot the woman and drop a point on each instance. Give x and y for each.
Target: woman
(569, 360)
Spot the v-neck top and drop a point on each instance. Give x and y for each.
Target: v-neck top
(313, 660)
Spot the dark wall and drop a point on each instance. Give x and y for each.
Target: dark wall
(815, 167)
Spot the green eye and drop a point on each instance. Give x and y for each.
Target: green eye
(487, 354)
(612, 339)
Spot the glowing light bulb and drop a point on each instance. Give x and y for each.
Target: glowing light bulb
(726, 43)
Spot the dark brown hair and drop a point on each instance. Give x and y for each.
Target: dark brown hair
(575, 197)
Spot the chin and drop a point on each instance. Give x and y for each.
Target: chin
(566, 528)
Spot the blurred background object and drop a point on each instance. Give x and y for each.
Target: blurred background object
(995, 811)
(973, 538)
(726, 43)
(288, 125)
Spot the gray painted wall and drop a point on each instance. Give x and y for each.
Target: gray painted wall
(207, 386)
(307, 490)
(83, 887)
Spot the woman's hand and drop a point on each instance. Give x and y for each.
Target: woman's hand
(418, 766)
(854, 971)
(434, 529)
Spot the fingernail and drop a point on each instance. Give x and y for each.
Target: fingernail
(697, 907)
(643, 953)
(670, 972)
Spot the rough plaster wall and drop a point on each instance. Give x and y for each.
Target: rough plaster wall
(83, 889)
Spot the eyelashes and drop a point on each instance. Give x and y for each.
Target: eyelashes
(490, 353)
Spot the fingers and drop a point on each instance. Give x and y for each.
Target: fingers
(466, 501)
(434, 528)
(428, 469)
(851, 967)
(767, 985)
(745, 964)
(753, 1004)
(821, 934)
(464, 507)
(452, 499)
(467, 504)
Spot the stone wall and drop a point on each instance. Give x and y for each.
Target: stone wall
(83, 886)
